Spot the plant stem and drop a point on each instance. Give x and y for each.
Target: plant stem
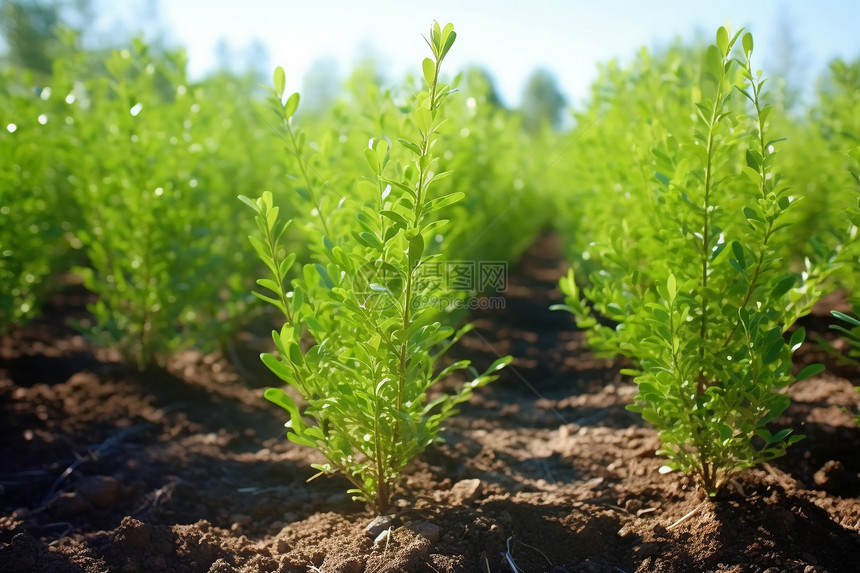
(706, 231)
(306, 176)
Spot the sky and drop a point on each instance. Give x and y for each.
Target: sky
(508, 38)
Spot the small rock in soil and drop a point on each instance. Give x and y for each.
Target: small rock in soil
(101, 491)
(626, 532)
(831, 477)
(427, 530)
(381, 538)
(378, 525)
(466, 491)
(70, 503)
(633, 505)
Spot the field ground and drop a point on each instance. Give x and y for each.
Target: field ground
(187, 469)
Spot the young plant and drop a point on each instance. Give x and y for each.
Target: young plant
(851, 334)
(156, 206)
(32, 186)
(694, 279)
(357, 343)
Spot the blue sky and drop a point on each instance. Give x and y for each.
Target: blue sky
(508, 38)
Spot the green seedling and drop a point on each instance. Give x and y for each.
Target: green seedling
(694, 278)
(356, 343)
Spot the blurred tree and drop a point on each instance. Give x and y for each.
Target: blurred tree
(321, 85)
(789, 67)
(223, 56)
(478, 81)
(251, 63)
(256, 61)
(29, 29)
(543, 101)
(36, 32)
(366, 74)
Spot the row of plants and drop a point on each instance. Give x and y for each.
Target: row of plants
(705, 256)
(126, 174)
(694, 258)
(684, 216)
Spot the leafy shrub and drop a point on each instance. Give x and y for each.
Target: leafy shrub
(31, 191)
(157, 224)
(693, 275)
(505, 204)
(822, 162)
(850, 330)
(357, 343)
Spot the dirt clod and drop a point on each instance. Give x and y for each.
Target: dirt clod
(379, 524)
(831, 477)
(466, 491)
(429, 531)
(101, 491)
(69, 504)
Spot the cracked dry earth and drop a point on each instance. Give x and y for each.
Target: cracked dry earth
(186, 469)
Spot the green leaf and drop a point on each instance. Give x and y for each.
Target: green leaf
(446, 40)
(499, 363)
(847, 318)
(280, 80)
(747, 42)
(416, 250)
(429, 69)
(751, 214)
(714, 61)
(784, 285)
(672, 288)
(797, 338)
(296, 356)
(291, 106)
(372, 160)
(738, 251)
(809, 371)
(269, 284)
(250, 203)
(723, 40)
(395, 217)
(753, 174)
(413, 147)
(442, 202)
(772, 354)
(279, 397)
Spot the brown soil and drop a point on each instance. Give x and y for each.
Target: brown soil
(186, 469)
